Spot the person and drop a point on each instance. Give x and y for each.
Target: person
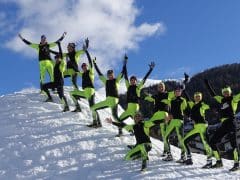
(58, 82)
(73, 58)
(228, 103)
(133, 94)
(111, 86)
(45, 61)
(197, 115)
(178, 106)
(88, 91)
(161, 108)
(141, 133)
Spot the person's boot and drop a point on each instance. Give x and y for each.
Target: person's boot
(235, 167)
(93, 124)
(66, 108)
(120, 133)
(208, 164)
(164, 153)
(49, 99)
(144, 165)
(188, 160)
(182, 158)
(218, 164)
(77, 109)
(168, 157)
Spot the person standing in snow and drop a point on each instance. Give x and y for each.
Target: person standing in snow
(161, 108)
(58, 82)
(228, 109)
(197, 115)
(45, 61)
(141, 132)
(111, 86)
(73, 58)
(133, 94)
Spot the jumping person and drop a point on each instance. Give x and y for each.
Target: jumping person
(178, 105)
(228, 109)
(73, 58)
(58, 82)
(197, 115)
(141, 132)
(133, 94)
(161, 108)
(45, 61)
(111, 86)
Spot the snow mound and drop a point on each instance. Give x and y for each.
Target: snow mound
(38, 141)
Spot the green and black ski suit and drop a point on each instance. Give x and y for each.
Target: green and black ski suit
(45, 61)
(227, 111)
(112, 99)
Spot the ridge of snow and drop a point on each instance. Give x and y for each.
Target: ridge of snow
(38, 141)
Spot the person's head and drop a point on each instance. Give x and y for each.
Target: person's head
(133, 80)
(197, 96)
(110, 74)
(43, 39)
(57, 58)
(161, 87)
(178, 92)
(226, 92)
(71, 47)
(84, 67)
(138, 117)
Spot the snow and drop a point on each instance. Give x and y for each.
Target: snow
(38, 141)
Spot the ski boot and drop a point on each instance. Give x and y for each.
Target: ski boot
(65, 109)
(49, 100)
(120, 133)
(164, 153)
(235, 167)
(209, 164)
(77, 109)
(182, 159)
(168, 157)
(188, 160)
(218, 164)
(144, 165)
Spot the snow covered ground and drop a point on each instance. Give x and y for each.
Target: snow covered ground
(38, 141)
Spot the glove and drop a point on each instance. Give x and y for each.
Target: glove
(125, 60)
(87, 43)
(186, 78)
(151, 65)
(94, 60)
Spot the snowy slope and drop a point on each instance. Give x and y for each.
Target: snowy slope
(38, 141)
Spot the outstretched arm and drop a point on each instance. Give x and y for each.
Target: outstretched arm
(151, 66)
(119, 77)
(62, 37)
(24, 40)
(210, 89)
(96, 67)
(89, 58)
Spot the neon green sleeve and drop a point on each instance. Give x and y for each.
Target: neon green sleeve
(64, 55)
(236, 98)
(205, 106)
(78, 54)
(103, 79)
(218, 98)
(91, 73)
(191, 104)
(80, 73)
(184, 105)
(149, 98)
(171, 95)
(119, 77)
(62, 66)
(139, 88)
(35, 46)
(127, 83)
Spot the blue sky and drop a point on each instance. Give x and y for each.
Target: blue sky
(180, 36)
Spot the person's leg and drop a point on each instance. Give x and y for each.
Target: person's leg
(76, 95)
(74, 80)
(49, 68)
(178, 128)
(45, 88)
(60, 92)
(169, 129)
(42, 71)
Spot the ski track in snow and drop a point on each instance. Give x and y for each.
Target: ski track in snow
(38, 141)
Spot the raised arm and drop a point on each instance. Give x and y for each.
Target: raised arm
(89, 59)
(210, 89)
(24, 40)
(119, 77)
(61, 38)
(101, 77)
(120, 124)
(151, 66)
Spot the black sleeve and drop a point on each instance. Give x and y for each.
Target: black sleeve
(210, 89)
(125, 74)
(60, 39)
(146, 76)
(26, 41)
(187, 96)
(60, 50)
(54, 52)
(119, 124)
(97, 69)
(89, 58)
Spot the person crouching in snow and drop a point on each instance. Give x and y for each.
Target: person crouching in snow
(141, 131)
